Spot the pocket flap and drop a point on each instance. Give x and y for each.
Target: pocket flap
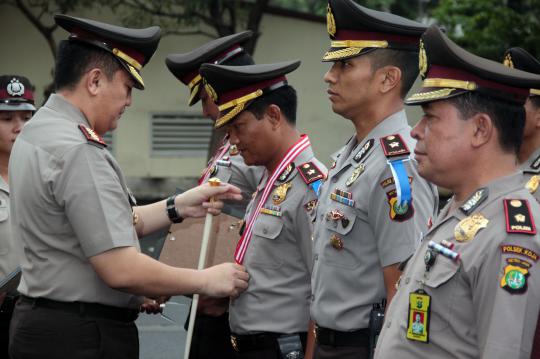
(268, 226)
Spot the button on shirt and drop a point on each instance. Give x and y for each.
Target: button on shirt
(347, 281)
(278, 259)
(472, 315)
(69, 203)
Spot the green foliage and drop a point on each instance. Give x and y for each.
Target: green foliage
(488, 27)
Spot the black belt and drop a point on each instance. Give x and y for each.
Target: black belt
(85, 309)
(336, 338)
(246, 343)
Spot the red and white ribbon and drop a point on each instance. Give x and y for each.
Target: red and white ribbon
(222, 151)
(289, 157)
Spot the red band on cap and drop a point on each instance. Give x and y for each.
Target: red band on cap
(27, 95)
(437, 71)
(186, 78)
(377, 36)
(85, 35)
(237, 93)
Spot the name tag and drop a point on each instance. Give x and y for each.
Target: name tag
(418, 324)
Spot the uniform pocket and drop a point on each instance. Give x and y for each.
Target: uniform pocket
(265, 243)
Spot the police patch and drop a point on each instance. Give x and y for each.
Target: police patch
(399, 213)
(518, 216)
(515, 275)
(509, 248)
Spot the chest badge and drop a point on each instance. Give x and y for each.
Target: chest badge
(533, 183)
(356, 173)
(280, 193)
(467, 228)
(336, 242)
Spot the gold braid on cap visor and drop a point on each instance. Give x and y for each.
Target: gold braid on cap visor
(352, 47)
(238, 105)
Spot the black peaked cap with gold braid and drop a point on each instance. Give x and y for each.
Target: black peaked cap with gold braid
(233, 88)
(448, 70)
(222, 51)
(518, 58)
(354, 30)
(133, 48)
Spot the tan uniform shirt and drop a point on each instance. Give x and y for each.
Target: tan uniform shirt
(531, 174)
(349, 254)
(486, 304)
(278, 260)
(8, 256)
(69, 203)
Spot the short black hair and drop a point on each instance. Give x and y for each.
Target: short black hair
(508, 117)
(406, 61)
(75, 58)
(284, 97)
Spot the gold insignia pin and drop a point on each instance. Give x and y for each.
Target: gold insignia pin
(515, 203)
(330, 21)
(467, 228)
(356, 173)
(280, 193)
(508, 61)
(520, 218)
(422, 60)
(233, 151)
(533, 183)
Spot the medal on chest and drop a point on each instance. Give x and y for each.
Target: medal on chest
(467, 228)
(280, 193)
(419, 316)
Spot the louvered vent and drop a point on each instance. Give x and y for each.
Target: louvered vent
(181, 135)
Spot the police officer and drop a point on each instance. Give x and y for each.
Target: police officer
(474, 281)
(529, 153)
(373, 206)
(82, 272)
(211, 335)
(258, 110)
(16, 108)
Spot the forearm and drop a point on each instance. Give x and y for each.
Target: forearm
(151, 217)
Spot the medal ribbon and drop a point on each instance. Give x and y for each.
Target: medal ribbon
(289, 157)
(403, 188)
(222, 152)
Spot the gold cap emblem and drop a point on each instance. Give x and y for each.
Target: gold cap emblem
(422, 60)
(210, 91)
(508, 61)
(330, 21)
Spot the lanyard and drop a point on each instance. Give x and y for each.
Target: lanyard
(222, 151)
(289, 157)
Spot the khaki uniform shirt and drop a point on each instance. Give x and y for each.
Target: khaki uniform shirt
(349, 255)
(69, 203)
(481, 307)
(8, 257)
(278, 260)
(531, 174)
(231, 168)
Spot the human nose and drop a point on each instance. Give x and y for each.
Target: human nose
(417, 131)
(330, 76)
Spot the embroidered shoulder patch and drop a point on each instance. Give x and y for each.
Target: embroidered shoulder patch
(310, 172)
(393, 145)
(390, 181)
(91, 135)
(514, 279)
(512, 249)
(368, 145)
(398, 212)
(518, 216)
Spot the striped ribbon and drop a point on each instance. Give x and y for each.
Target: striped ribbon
(208, 170)
(289, 157)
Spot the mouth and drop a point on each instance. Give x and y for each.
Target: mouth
(331, 93)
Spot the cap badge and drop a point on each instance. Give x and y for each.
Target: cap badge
(508, 61)
(422, 60)
(15, 88)
(330, 21)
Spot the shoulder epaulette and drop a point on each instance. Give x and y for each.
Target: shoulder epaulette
(91, 135)
(393, 145)
(518, 216)
(310, 172)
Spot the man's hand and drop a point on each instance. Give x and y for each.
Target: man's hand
(196, 201)
(153, 306)
(224, 280)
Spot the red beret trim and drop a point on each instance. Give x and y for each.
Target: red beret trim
(28, 95)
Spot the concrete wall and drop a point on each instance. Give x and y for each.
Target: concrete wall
(24, 51)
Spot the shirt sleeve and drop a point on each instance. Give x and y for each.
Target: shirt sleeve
(396, 229)
(88, 187)
(505, 289)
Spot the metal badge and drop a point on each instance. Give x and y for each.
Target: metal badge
(356, 173)
(467, 228)
(15, 88)
(280, 193)
(532, 183)
(336, 242)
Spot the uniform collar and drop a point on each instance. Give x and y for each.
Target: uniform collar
(59, 103)
(527, 165)
(390, 125)
(3, 185)
(302, 158)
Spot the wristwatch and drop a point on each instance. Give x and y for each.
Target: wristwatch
(172, 213)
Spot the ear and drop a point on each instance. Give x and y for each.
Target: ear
(483, 129)
(273, 113)
(93, 81)
(391, 77)
(536, 118)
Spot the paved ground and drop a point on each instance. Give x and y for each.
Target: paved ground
(160, 338)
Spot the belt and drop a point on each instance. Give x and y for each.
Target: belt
(246, 343)
(85, 309)
(336, 338)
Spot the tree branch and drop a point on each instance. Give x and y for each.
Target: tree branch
(45, 31)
